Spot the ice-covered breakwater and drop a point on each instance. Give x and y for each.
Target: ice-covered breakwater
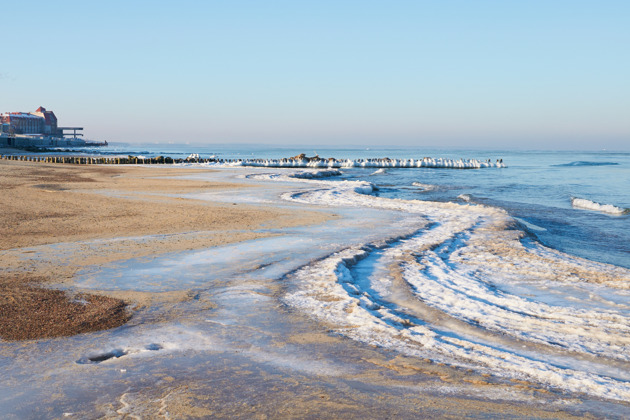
(293, 162)
(304, 162)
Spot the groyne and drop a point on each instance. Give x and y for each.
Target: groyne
(86, 160)
(293, 162)
(332, 163)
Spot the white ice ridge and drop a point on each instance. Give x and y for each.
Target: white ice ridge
(581, 203)
(464, 265)
(328, 291)
(370, 163)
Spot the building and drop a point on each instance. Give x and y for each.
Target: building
(22, 123)
(38, 123)
(50, 120)
(39, 129)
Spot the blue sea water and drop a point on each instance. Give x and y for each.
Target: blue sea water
(536, 187)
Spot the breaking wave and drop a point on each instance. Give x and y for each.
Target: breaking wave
(581, 203)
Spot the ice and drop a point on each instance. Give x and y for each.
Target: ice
(456, 265)
(384, 163)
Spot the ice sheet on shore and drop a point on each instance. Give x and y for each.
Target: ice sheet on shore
(506, 308)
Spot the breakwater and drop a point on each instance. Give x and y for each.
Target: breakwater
(84, 160)
(292, 162)
(374, 163)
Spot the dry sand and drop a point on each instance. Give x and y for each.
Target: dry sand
(52, 203)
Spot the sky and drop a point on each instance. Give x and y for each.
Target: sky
(551, 74)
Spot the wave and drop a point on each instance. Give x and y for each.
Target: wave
(468, 290)
(587, 163)
(581, 203)
(379, 171)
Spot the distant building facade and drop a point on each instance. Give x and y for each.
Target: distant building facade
(38, 129)
(39, 123)
(50, 121)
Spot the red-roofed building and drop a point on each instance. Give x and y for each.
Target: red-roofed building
(50, 120)
(40, 122)
(38, 129)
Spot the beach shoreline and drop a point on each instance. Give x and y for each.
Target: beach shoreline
(199, 342)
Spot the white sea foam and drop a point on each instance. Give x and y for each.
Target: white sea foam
(581, 203)
(384, 295)
(379, 171)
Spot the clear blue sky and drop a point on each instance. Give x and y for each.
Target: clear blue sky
(526, 74)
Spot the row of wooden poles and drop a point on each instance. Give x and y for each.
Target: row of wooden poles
(83, 160)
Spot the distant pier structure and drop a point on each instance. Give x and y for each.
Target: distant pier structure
(39, 129)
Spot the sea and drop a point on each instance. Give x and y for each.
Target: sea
(519, 271)
(573, 201)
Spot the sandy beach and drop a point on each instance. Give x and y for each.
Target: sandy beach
(80, 313)
(46, 204)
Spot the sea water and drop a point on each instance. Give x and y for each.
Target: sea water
(571, 201)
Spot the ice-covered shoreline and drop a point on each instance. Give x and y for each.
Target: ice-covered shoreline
(470, 265)
(463, 262)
